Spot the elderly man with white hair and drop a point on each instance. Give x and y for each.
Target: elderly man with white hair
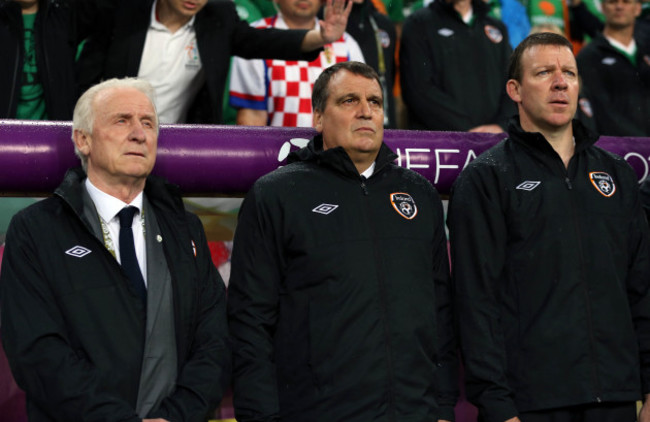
(111, 307)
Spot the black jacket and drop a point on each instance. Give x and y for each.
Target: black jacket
(339, 306)
(619, 92)
(73, 327)
(551, 270)
(115, 49)
(56, 37)
(453, 75)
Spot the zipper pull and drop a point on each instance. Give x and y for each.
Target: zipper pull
(363, 186)
(568, 183)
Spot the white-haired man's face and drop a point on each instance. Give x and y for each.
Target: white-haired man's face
(122, 147)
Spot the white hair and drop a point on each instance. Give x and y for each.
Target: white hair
(83, 116)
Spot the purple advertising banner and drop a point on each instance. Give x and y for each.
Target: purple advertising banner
(226, 160)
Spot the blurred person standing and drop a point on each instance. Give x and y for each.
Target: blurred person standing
(453, 61)
(615, 69)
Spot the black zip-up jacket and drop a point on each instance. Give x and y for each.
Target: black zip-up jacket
(339, 305)
(73, 326)
(618, 91)
(551, 270)
(453, 74)
(59, 25)
(114, 50)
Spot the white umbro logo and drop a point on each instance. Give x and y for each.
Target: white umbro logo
(609, 60)
(78, 251)
(528, 185)
(446, 32)
(325, 209)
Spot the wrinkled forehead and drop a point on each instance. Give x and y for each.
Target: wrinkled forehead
(548, 55)
(344, 82)
(122, 99)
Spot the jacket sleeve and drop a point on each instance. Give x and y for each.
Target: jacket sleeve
(638, 284)
(205, 373)
(478, 234)
(421, 92)
(447, 373)
(253, 301)
(56, 377)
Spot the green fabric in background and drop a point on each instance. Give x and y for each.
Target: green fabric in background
(546, 12)
(395, 9)
(31, 105)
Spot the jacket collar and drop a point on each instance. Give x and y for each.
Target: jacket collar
(337, 159)
(584, 138)
(159, 192)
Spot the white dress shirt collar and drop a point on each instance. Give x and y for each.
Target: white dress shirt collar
(369, 171)
(108, 206)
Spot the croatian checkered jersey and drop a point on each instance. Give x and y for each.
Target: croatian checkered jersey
(281, 87)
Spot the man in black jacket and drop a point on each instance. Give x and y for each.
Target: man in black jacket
(339, 299)
(615, 68)
(551, 262)
(453, 60)
(184, 47)
(111, 307)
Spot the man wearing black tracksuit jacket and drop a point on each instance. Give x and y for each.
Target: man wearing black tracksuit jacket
(339, 300)
(615, 69)
(551, 261)
(86, 340)
(443, 58)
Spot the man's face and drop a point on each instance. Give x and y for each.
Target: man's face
(353, 117)
(547, 95)
(620, 14)
(299, 9)
(186, 8)
(122, 146)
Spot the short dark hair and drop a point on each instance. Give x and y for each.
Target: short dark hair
(541, 38)
(321, 93)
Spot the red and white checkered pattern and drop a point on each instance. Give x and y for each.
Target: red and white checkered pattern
(283, 88)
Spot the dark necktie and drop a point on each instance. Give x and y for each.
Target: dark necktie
(127, 253)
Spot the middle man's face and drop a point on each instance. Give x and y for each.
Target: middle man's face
(354, 115)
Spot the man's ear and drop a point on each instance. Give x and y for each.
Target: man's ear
(317, 121)
(512, 88)
(82, 141)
